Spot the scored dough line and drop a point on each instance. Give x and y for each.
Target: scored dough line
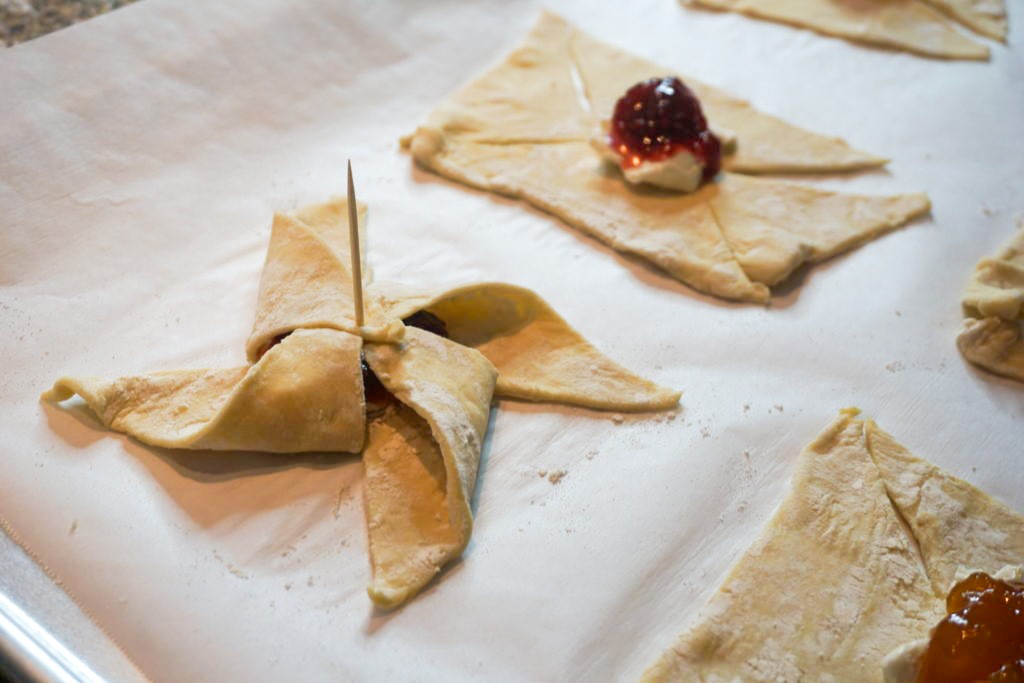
(915, 544)
(577, 80)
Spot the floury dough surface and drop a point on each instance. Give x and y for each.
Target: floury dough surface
(521, 129)
(859, 556)
(137, 190)
(681, 172)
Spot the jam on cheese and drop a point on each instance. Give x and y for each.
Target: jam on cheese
(982, 638)
(658, 118)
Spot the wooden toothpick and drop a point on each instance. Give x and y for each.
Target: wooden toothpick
(353, 241)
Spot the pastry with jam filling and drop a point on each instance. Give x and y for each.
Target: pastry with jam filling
(629, 152)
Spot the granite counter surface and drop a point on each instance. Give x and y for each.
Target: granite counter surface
(22, 20)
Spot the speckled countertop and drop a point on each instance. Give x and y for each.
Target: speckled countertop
(22, 20)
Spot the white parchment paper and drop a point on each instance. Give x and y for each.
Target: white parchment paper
(141, 157)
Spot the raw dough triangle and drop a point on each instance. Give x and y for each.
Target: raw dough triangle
(422, 458)
(539, 356)
(676, 233)
(306, 280)
(543, 156)
(774, 227)
(530, 97)
(855, 562)
(305, 394)
(910, 25)
(996, 287)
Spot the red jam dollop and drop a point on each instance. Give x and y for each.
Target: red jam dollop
(659, 117)
(982, 638)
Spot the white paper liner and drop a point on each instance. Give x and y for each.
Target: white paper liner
(143, 154)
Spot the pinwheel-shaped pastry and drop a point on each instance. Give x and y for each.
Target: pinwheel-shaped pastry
(527, 129)
(417, 409)
(994, 303)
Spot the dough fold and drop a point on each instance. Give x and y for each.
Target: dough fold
(995, 345)
(994, 305)
(305, 394)
(306, 279)
(856, 561)
(987, 17)
(539, 356)
(422, 459)
(303, 390)
(539, 112)
(774, 227)
(958, 527)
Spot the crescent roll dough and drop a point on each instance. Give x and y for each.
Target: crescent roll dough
(305, 394)
(919, 26)
(303, 390)
(523, 130)
(422, 459)
(994, 304)
(856, 561)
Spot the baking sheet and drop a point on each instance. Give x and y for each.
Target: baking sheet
(142, 156)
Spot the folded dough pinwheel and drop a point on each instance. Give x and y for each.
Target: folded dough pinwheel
(422, 430)
(526, 129)
(994, 303)
(856, 562)
(925, 27)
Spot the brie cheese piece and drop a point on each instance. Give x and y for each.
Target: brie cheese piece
(681, 172)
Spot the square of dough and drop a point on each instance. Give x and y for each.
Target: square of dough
(523, 130)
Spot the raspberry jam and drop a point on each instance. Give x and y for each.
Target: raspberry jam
(982, 638)
(659, 117)
(427, 321)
